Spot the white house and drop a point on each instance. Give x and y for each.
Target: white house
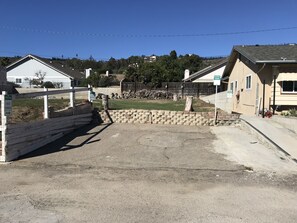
(206, 75)
(24, 70)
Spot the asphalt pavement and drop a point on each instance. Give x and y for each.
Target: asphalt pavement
(151, 173)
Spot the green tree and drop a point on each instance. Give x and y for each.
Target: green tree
(152, 73)
(132, 73)
(93, 79)
(4, 61)
(191, 62)
(173, 55)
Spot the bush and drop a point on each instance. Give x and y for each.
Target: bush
(48, 84)
(293, 112)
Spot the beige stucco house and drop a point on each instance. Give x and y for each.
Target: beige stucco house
(260, 77)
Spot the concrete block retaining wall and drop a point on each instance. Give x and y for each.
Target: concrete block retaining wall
(168, 117)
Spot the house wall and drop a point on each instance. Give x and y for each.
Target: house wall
(247, 100)
(27, 71)
(284, 98)
(209, 77)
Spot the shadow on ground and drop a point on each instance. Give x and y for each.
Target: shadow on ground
(62, 144)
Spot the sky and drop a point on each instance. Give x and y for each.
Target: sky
(122, 28)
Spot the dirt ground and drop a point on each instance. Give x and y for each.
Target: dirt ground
(150, 173)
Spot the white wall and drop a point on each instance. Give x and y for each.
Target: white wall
(28, 70)
(223, 102)
(209, 77)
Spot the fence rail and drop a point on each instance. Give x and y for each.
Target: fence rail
(43, 93)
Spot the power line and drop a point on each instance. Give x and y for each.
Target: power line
(23, 29)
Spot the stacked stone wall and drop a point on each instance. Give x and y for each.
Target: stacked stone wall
(168, 117)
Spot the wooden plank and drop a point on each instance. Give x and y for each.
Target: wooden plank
(46, 121)
(32, 137)
(20, 146)
(16, 154)
(44, 129)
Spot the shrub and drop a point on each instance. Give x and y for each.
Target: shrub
(48, 84)
(293, 112)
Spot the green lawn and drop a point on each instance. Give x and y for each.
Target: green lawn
(170, 105)
(25, 110)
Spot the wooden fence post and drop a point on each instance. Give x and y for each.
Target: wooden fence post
(45, 97)
(3, 127)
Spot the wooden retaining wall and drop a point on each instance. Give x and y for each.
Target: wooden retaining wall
(26, 137)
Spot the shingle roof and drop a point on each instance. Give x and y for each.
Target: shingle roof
(63, 67)
(269, 53)
(263, 54)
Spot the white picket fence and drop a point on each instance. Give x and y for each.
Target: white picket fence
(19, 139)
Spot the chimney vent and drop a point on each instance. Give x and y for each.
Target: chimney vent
(187, 74)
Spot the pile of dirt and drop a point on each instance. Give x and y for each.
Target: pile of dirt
(25, 114)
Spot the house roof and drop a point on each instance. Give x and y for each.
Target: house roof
(269, 53)
(54, 64)
(206, 70)
(263, 54)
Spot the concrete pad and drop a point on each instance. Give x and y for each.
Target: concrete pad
(245, 149)
(284, 138)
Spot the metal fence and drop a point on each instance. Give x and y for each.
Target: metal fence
(180, 88)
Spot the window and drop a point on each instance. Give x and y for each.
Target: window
(235, 86)
(248, 82)
(231, 86)
(290, 86)
(18, 80)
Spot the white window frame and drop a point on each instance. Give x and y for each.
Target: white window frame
(18, 80)
(289, 92)
(246, 82)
